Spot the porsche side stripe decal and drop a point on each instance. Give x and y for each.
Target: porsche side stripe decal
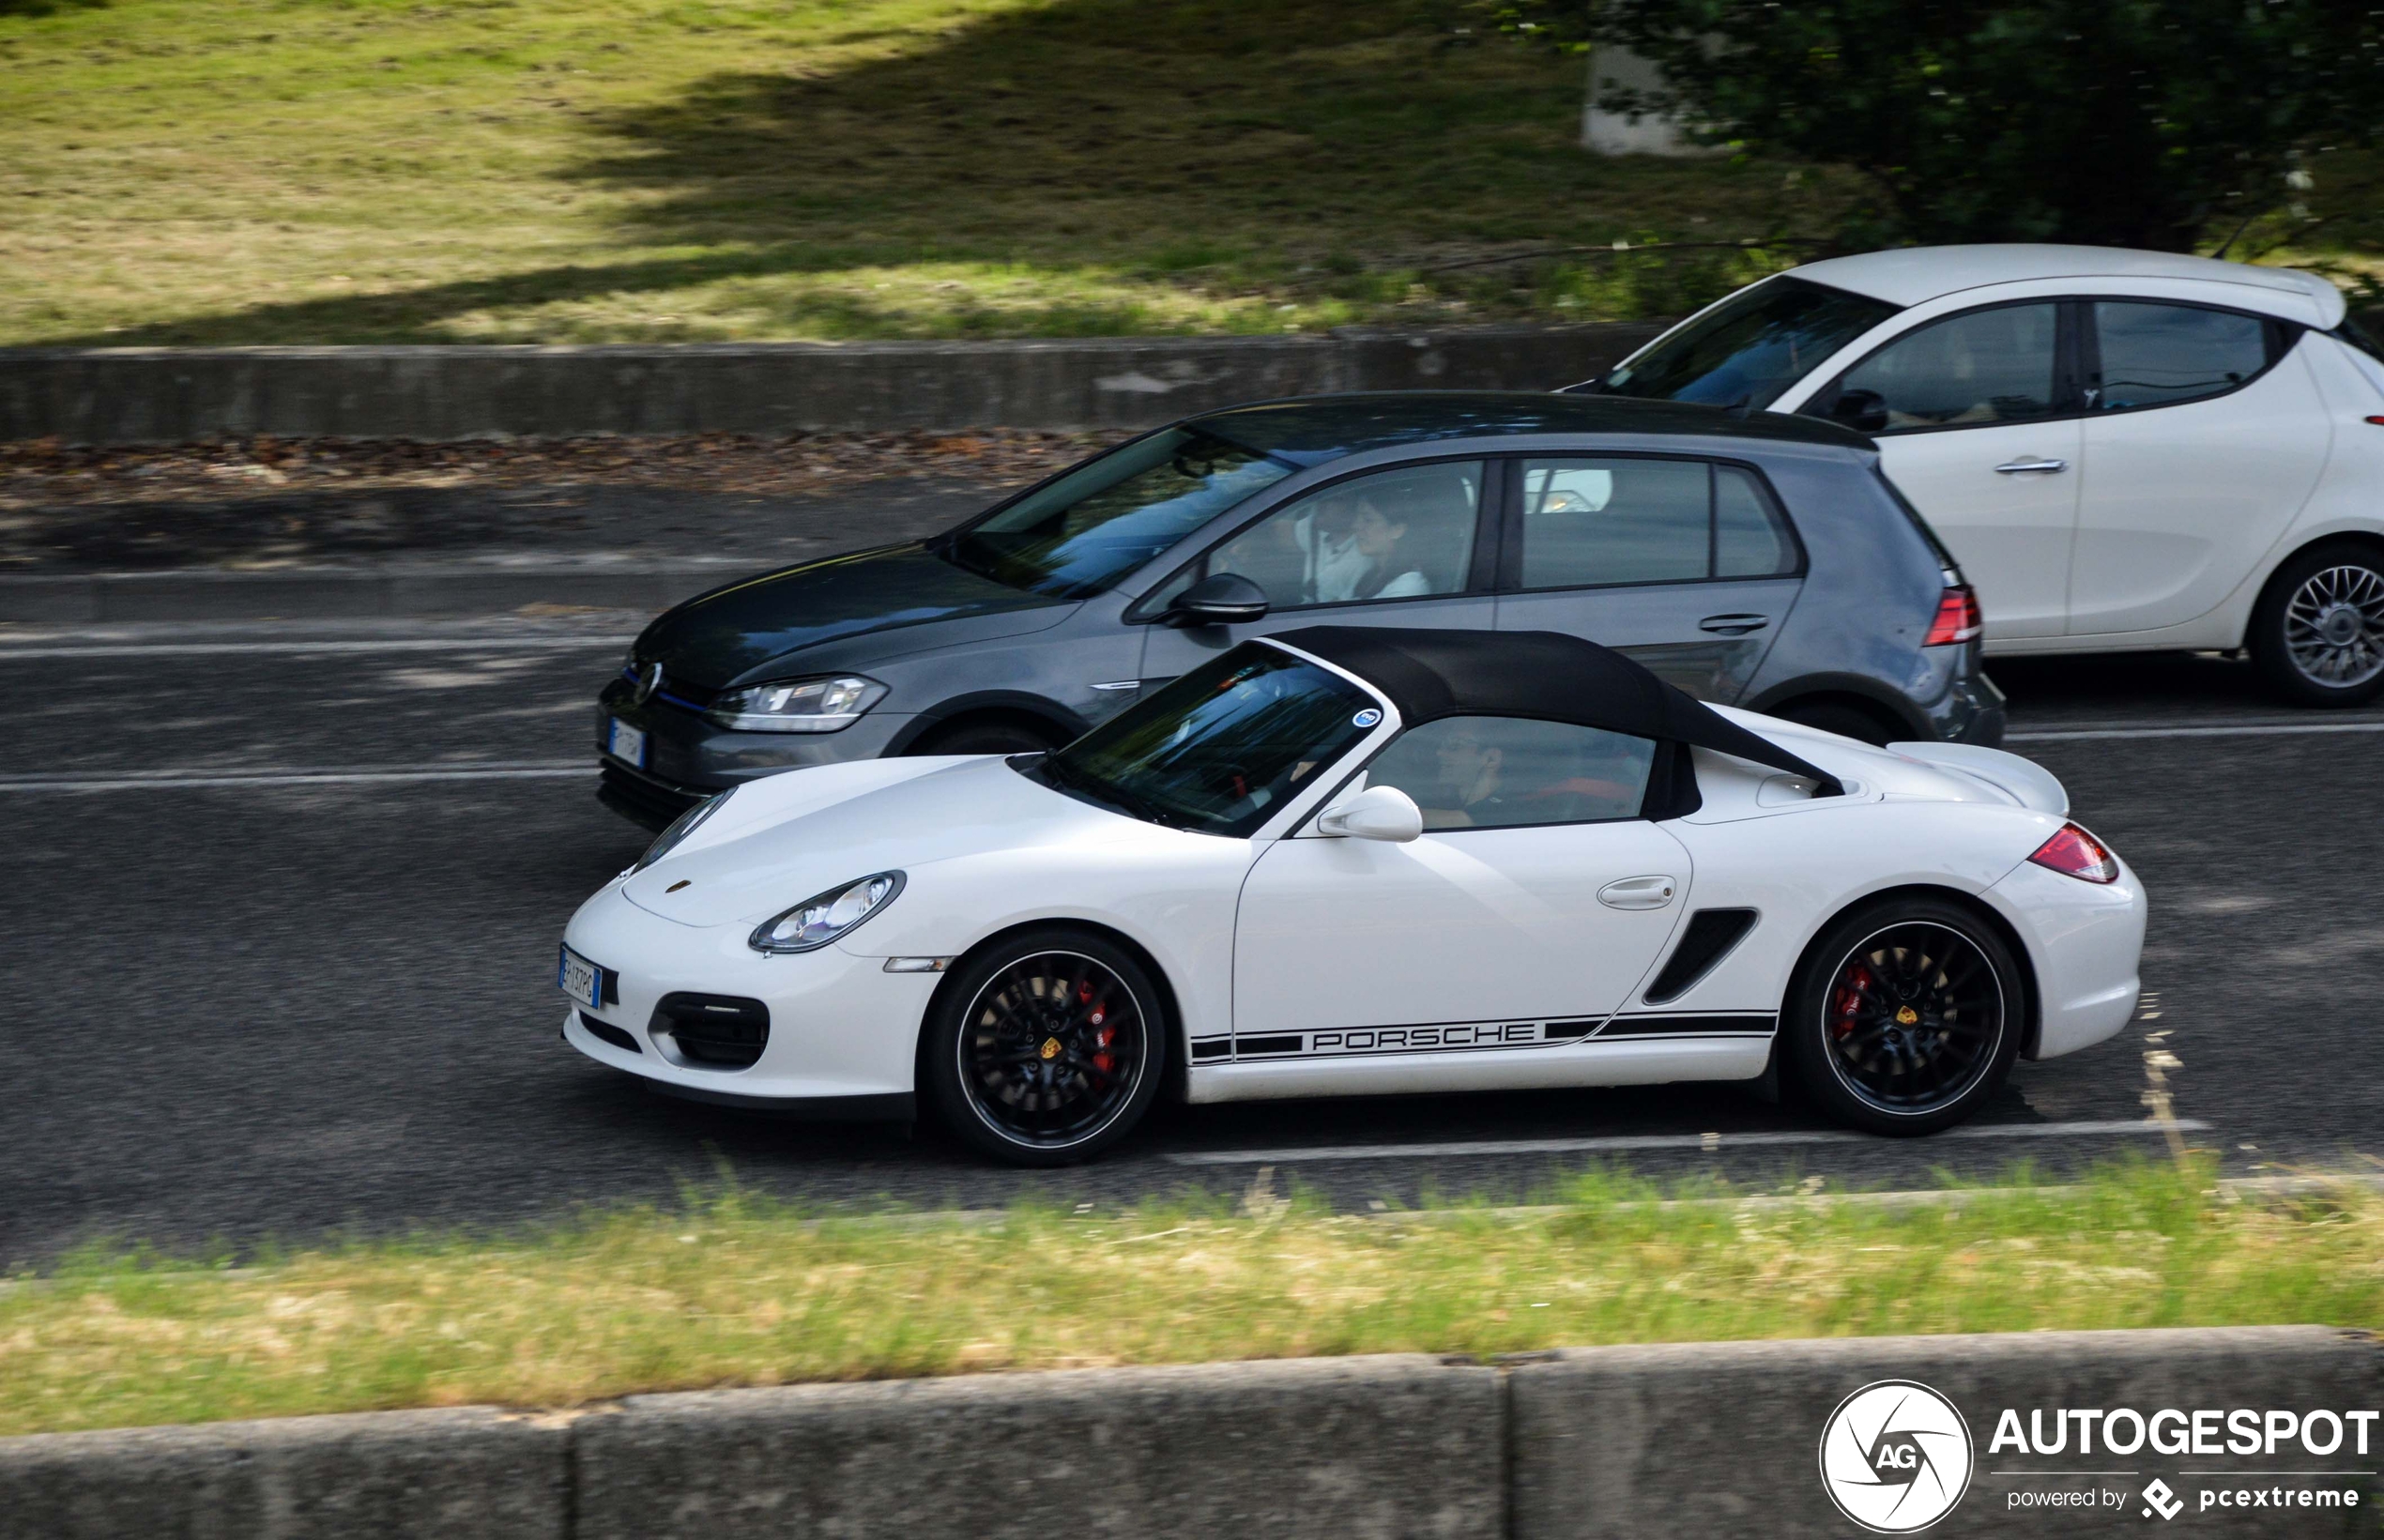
(1686, 1025)
(1443, 1037)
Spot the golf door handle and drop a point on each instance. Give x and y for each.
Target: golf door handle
(2026, 465)
(1734, 625)
(1637, 892)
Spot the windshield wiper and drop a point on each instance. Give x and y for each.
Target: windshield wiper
(1061, 777)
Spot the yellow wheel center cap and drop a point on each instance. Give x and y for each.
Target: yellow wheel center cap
(1905, 1016)
(1050, 1048)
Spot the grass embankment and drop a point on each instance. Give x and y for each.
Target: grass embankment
(319, 171)
(734, 1290)
(342, 171)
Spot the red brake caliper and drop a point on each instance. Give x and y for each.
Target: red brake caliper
(1104, 1036)
(1847, 1000)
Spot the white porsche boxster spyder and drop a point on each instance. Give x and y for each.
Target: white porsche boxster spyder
(1346, 861)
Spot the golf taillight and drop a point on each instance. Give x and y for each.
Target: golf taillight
(2074, 852)
(1957, 617)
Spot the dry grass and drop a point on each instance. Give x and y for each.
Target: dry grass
(732, 1291)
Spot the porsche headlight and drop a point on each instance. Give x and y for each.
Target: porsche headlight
(816, 921)
(797, 706)
(681, 827)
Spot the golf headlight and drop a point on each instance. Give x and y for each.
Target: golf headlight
(681, 827)
(816, 921)
(797, 706)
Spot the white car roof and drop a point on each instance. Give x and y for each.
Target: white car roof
(1916, 274)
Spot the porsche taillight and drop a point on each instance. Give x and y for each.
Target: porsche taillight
(2074, 852)
(1957, 616)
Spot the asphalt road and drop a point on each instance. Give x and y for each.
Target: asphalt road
(307, 1002)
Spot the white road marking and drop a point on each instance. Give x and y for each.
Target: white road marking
(184, 779)
(2231, 729)
(1652, 1141)
(394, 644)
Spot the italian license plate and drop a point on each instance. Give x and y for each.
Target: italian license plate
(623, 742)
(582, 979)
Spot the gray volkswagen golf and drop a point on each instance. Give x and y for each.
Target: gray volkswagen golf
(1758, 561)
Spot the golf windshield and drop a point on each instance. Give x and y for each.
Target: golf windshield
(1079, 534)
(1220, 748)
(1750, 348)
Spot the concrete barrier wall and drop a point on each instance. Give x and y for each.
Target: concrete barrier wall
(174, 395)
(1699, 1442)
(1722, 1443)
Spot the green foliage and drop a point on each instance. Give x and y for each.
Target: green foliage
(2143, 123)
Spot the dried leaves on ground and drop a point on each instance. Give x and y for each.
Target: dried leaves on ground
(47, 473)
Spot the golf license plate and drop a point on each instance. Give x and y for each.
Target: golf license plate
(582, 979)
(625, 742)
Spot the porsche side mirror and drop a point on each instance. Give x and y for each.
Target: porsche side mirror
(1222, 598)
(1377, 813)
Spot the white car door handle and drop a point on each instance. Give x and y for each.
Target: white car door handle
(2024, 467)
(1637, 892)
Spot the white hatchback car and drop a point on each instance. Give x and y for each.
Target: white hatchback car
(2126, 451)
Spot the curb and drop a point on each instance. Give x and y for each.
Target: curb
(411, 591)
(178, 395)
(1714, 1442)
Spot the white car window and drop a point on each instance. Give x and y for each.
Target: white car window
(2159, 355)
(1494, 772)
(1984, 367)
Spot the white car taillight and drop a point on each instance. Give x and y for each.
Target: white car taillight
(2074, 852)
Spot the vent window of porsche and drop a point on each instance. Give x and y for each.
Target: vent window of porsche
(1490, 772)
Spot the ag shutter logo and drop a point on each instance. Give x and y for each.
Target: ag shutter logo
(1895, 1456)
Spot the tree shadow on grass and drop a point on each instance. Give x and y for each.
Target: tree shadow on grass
(1214, 147)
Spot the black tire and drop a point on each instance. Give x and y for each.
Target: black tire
(1846, 721)
(2318, 632)
(1046, 1047)
(1905, 1016)
(986, 735)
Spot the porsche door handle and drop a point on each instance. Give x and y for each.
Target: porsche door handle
(1734, 625)
(2026, 466)
(1637, 892)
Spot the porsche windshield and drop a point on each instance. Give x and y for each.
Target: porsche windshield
(1219, 748)
(1750, 348)
(1099, 522)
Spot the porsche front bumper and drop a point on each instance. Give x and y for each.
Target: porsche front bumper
(842, 1031)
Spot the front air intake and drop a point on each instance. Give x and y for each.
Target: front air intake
(712, 1031)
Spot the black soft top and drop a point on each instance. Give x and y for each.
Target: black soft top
(1541, 673)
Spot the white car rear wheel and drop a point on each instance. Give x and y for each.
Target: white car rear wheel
(2317, 633)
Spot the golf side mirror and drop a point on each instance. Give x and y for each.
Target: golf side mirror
(1864, 411)
(1222, 598)
(1377, 813)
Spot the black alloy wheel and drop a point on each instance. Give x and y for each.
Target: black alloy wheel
(1907, 1016)
(1045, 1050)
(2317, 633)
